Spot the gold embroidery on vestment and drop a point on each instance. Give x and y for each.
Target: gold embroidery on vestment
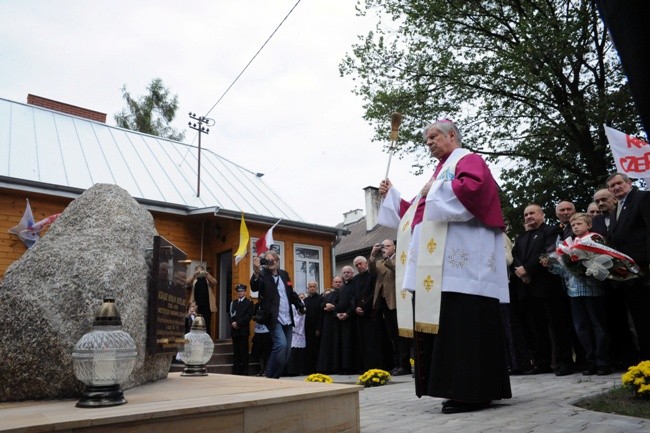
(406, 225)
(428, 328)
(431, 246)
(428, 283)
(402, 257)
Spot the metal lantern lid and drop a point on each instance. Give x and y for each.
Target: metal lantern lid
(198, 324)
(107, 315)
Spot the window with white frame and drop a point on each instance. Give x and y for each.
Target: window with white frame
(308, 265)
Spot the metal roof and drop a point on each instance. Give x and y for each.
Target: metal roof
(67, 154)
(359, 240)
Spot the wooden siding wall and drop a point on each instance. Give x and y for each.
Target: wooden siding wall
(183, 231)
(12, 208)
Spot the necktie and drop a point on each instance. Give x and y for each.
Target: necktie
(619, 208)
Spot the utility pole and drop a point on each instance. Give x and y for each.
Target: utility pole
(201, 130)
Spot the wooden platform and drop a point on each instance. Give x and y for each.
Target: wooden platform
(217, 402)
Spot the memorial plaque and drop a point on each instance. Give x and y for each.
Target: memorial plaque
(166, 303)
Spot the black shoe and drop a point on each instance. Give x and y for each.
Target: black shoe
(563, 371)
(604, 371)
(538, 370)
(400, 372)
(453, 406)
(590, 371)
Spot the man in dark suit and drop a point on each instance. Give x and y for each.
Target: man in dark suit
(606, 203)
(542, 296)
(623, 350)
(313, 325)
(276, 297)
(629, 233)
(564, 210)
(241, 312)
(382, 265)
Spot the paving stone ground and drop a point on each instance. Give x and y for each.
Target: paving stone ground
(540, 404)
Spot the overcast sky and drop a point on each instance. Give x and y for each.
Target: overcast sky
(290, 116)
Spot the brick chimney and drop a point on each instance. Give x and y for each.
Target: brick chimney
(62, 107)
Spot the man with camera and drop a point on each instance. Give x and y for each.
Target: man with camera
(382, 266)
(276, 296)
(201, 293)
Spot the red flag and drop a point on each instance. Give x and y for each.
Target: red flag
(264, 243)
(27, 230)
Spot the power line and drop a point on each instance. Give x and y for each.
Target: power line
(253, 58)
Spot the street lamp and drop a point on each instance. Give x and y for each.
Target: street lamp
(197, 350)
(103, 358)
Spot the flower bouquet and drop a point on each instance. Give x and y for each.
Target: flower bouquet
(637, 378)
(374, 377)
(588, 255)
(318, 377)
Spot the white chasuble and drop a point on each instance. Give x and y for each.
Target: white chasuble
(450, 250)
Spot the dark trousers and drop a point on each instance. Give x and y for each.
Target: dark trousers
(401, 345)
(637, 297)
(590, 322)
(623, 349)
(549, 331)
(240, 355)
(311, 352)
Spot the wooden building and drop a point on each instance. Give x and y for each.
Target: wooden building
(51, 155)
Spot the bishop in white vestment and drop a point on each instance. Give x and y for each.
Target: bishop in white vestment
(450, 256)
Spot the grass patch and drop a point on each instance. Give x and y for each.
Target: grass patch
(618, 400)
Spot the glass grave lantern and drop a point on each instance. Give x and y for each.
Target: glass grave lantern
(103, 358)
(197, 350)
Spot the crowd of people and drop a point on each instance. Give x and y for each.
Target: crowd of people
(346, 329)
(562, 322)
(454, 295)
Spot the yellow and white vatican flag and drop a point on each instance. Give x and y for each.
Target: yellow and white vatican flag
(243, 241)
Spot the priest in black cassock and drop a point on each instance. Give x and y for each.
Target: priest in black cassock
(313, 326)
(368, 327)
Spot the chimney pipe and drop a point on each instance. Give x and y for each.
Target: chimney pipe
(372, 206)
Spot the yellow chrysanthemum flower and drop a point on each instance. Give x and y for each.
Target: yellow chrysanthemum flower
(318, 377)
(637, 378)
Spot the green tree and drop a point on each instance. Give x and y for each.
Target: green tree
(150, 113)
(529, 82)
